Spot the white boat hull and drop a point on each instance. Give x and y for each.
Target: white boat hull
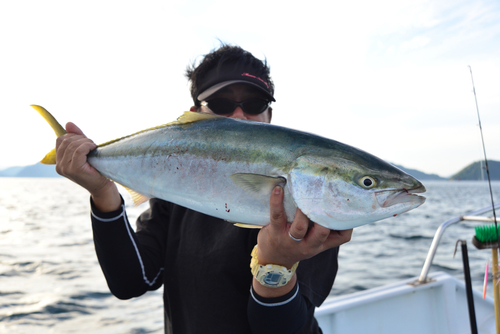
(438, 307)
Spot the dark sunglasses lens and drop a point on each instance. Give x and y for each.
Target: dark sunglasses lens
(255, 106)
(224, 107)
(221, 106)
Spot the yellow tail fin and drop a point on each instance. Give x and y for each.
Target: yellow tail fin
(50, 158)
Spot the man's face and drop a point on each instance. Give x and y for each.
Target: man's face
(239, 93)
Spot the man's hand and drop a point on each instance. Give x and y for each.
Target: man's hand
(71, 162)
(275, 246)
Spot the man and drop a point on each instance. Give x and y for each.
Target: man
(202, 261)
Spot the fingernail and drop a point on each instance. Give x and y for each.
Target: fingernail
(277, 190)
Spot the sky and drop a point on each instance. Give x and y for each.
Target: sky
(388, 77)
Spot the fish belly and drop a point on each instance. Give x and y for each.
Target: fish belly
(200, 184)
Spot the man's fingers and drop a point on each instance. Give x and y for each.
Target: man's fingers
(285, 244)
(69, 144)
(337, 238)
(72, 150)
(278, 215)
(318, 235)
(300, 225)
(72, 128)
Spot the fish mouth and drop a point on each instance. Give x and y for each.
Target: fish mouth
(390, 197)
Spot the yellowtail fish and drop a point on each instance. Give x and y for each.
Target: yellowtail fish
(227, 168)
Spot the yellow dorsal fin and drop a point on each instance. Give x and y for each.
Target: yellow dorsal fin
(191, 117)
(50, 158)
(187, 117)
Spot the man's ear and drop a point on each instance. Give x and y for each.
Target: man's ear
(270, 114)
(194, 108)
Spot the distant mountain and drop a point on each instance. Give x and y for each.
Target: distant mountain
(420, 175)
(38, 170)
(11, 171)
(477, 171)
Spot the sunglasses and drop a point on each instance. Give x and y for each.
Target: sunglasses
(225, 106)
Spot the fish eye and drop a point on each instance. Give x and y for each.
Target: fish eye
(367, 182)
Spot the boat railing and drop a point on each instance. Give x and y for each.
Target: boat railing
(473, 216)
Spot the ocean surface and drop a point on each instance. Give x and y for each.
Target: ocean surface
(50, 281)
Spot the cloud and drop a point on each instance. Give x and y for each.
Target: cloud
(382, 75)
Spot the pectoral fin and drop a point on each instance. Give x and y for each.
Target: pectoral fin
(259, 186)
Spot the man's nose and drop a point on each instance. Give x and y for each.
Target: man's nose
(239, 113)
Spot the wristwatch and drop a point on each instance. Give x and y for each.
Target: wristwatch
(270, 275)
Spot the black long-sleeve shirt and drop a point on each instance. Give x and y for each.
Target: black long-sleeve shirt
(203, 264)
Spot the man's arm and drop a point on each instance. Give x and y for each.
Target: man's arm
(128, 272)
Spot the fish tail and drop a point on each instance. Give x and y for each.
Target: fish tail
(50, 158)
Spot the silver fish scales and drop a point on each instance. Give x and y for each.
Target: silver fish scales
(227, 168)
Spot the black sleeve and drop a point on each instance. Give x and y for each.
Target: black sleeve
(128, 269)
(317, 275)
(315, 280)
(288, 314)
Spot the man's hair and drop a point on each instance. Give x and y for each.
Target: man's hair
(226, 55)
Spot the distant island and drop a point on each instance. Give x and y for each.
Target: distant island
(420, 175)
(477, 171)
(37, 170)
(473, 172)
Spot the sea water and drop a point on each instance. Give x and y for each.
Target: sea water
(51, 282)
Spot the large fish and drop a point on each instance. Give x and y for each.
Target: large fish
(227, 168)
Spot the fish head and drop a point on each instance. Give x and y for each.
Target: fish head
(341, 193)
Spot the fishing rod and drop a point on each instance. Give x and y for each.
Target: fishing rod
(494, 247)
(485, 159)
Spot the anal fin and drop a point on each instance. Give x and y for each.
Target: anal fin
(136, 197)
(247, 225)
